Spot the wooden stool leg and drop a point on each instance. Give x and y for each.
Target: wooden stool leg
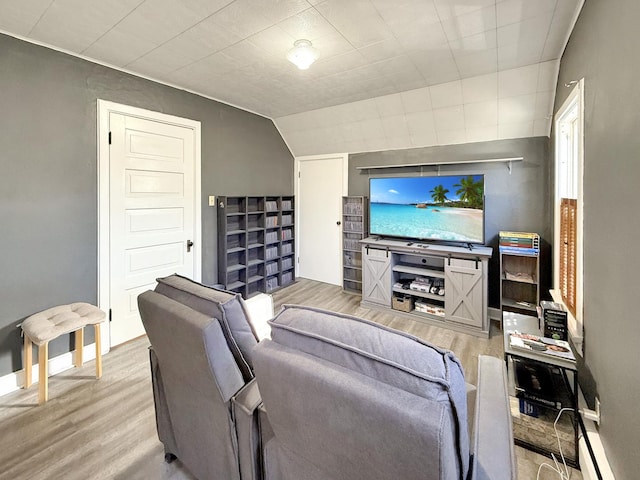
(98, 351)
(79, 347)
(43, 357)
(28, 361)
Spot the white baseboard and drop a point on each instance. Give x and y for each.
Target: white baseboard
(14, 381)
(587, 462)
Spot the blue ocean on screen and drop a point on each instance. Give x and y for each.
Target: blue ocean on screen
(433, 222)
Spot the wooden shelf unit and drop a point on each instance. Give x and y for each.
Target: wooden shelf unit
(256, 243)
(519, 282)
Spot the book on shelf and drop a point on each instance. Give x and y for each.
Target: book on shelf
(518, 235)
(540, 383)
(518, 243)
(519, 250)
(519, 240)
(543, 345)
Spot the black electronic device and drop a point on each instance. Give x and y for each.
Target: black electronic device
(541, 383)
(554, 317)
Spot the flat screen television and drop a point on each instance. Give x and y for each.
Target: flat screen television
(444, 208)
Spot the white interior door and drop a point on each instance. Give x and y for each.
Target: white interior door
(152, 213)
(321, 185)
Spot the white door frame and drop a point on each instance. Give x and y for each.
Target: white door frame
(104, 109)
(296, 187)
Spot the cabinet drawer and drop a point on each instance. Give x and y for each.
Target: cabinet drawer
(464, 263)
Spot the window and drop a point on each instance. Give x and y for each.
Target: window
(567, 250)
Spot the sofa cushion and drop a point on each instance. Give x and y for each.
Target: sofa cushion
(386, 355)
(227, 307)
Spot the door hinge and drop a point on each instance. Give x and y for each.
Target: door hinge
(110, 315)
(298, 174)
(298, 259)
(109, 138)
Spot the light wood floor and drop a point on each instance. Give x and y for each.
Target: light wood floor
(105, 429)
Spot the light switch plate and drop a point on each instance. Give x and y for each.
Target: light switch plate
(212, 200)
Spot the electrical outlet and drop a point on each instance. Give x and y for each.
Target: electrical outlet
(212, 200)
(593, 415)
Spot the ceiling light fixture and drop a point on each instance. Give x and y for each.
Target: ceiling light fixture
(302, 55)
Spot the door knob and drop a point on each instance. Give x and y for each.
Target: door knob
(338, 223)
(189, 245)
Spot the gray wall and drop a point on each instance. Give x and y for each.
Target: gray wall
(604, 50)
(48, 187)
(519, 201)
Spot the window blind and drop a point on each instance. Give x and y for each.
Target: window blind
(568, 251)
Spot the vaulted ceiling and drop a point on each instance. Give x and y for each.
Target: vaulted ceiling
(391, 73)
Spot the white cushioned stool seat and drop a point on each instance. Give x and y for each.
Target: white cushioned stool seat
(49, 324)
(53, 322)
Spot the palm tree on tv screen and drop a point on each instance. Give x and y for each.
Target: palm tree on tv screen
(470, 191)
(439, 194)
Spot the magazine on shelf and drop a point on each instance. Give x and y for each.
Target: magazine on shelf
(542, 345)
(540, 383)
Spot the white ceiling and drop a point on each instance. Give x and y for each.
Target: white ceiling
(425, 53)
(514, 103)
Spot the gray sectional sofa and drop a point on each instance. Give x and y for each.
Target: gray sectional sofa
(328, 397)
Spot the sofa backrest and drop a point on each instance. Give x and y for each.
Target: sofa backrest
(227, 307)
(199, 378)
(351, 399)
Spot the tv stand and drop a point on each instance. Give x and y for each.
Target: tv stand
(459, 273)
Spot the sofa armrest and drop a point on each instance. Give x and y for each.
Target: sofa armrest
(245, 409)
(493, 448)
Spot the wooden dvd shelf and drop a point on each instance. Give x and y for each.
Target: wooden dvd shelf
(354, 229)
(256, 243)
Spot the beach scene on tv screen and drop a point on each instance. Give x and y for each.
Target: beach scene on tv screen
(447, 208)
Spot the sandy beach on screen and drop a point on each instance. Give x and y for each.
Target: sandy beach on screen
(469, 212)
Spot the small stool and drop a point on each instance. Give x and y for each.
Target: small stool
(43, 327)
